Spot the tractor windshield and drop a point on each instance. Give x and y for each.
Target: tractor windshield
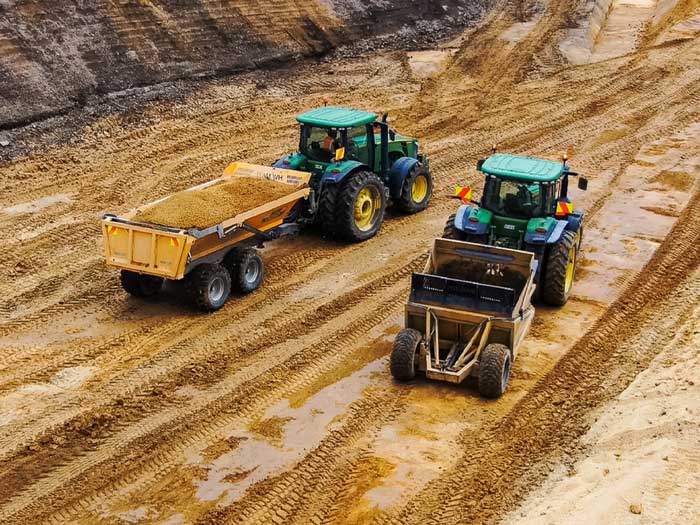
(319, 143)
(517, 199)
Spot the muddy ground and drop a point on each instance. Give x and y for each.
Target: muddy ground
(279, 408)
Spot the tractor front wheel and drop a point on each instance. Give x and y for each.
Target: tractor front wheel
(559, 269)
(404, 354)
(494, 370)
(141, 285)
(360, 206)
(208, 286)
(417, 190)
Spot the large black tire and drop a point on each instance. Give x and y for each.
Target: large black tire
(559, 270)
(403, 363)
(208, 286)
(451, 231)
(417, 190)
(494, 370)
(246, 268)
(141, 285)
(328, 207)
(349, 204)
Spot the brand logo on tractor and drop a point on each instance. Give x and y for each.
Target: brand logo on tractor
(509, 226)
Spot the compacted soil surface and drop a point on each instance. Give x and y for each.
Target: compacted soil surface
(279, 408)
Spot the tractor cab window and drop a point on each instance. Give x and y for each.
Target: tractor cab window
(357, 139)
(320, 143)
(516, 199)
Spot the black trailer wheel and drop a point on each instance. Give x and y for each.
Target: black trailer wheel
(246, 268)
(208, 286)
(417, 190)
(360, 207)
(559, 270)
(494, 370)
(451, 231)
(404, 354)
(141, 285)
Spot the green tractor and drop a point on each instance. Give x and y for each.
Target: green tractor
(525, 206)
(358, 165)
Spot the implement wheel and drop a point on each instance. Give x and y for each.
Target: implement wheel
(559, 270)
(417, 190)
(328, 208)
(451, 231)
(494, 370)
(359, 207)
(208, 286)
(246, 268)
(404, 354)
(141, 285)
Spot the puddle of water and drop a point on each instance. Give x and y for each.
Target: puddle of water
(38, 204)
(300, 430)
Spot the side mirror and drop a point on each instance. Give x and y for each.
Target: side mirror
(385, 116)
(582, 184)
(480, 163)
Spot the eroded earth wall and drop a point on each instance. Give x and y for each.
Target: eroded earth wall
(56, 53)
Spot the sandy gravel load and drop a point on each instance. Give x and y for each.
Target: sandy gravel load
(213, 204)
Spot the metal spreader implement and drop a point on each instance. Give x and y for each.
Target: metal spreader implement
(468, 312)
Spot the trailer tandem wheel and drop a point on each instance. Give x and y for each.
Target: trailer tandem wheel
(494, 370)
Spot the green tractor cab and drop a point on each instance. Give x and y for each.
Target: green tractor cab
(525, 206)
(358, 165)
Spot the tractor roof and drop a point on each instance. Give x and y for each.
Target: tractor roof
(524, 168)
(331, 117)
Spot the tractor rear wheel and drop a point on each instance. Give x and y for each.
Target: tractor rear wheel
(560, 268)
(360, 207)
(404, 362)
(494, 370)
(451, 231)
(246, 268)
(208, 286)
(141, 285)
(417, 190)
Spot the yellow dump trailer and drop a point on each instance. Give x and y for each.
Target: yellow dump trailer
(212, 260)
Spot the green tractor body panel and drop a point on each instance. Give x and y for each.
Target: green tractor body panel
(332, 117)
(523, 168)
(507, 232)
(541, 225)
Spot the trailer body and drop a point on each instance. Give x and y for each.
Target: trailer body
(148, 254)
(171, 253)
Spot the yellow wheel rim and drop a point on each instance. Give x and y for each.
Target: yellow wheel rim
(570, 268)
(367, 206)
(419, 189)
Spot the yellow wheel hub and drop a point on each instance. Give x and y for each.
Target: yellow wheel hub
(367, 206)
(419, 189)
(570, 268)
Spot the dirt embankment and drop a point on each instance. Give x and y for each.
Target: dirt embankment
(55, 55)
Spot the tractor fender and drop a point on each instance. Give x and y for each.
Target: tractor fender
(556, 232)
(574, 221)
(463, 223)
(335, 173)
(398, 173)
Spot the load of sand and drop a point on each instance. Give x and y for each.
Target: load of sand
(213, 204)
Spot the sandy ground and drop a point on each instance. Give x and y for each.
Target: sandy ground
(279, 408)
